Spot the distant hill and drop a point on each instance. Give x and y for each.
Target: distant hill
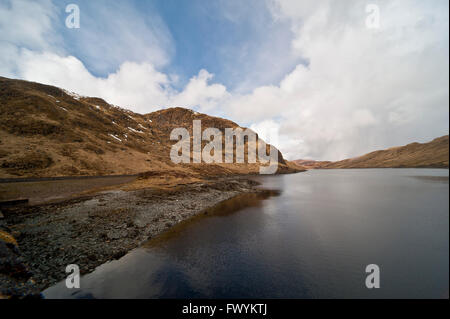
(46, 131)
(310, 164)
(427, 155)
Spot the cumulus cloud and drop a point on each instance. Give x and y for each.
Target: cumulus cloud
(27, 53)
(137, 86)
(357, 89)
(362, 88)
(269, 131)
(199, 93)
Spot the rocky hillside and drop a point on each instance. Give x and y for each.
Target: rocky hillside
(46, 131)
(428, 155)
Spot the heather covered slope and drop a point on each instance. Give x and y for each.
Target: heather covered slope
(427, 155)
(46, 131)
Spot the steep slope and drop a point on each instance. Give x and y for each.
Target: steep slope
(428, 155)
(46, 131)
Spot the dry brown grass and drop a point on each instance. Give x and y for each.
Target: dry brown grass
(45, 132)
(427, 155)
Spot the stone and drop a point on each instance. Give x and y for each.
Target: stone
(116, 234)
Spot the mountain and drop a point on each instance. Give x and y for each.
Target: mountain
(433, 154)
(46, 131)
(310, 164)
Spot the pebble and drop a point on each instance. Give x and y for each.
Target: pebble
(51, 246)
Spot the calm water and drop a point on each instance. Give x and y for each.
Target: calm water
(313, 240)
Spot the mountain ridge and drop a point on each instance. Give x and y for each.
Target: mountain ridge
(46, 131)
(433, 154)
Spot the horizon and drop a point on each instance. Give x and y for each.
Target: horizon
(224, 158)
(295, 159)
(259, 64)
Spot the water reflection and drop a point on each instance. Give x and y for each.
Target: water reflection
(224, 208)
(314, 240)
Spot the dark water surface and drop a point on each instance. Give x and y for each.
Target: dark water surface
(313, 240)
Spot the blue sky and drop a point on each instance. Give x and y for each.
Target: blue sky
(328, 82)
(227, 38)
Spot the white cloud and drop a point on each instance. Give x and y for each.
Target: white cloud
(137, 86)
(113, 32)
(269, 131)
(27, 53)
(362, 88)
(198, 93)
(27, 23)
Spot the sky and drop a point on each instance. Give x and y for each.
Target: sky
(332, 79)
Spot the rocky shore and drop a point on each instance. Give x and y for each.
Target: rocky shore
(38, 242)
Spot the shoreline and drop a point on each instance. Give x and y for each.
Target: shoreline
(92, 230)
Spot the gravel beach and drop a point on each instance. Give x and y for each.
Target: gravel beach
(92, 230)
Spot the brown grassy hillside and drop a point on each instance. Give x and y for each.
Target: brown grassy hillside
(46, 131)
(310, 164)
(428, 155)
